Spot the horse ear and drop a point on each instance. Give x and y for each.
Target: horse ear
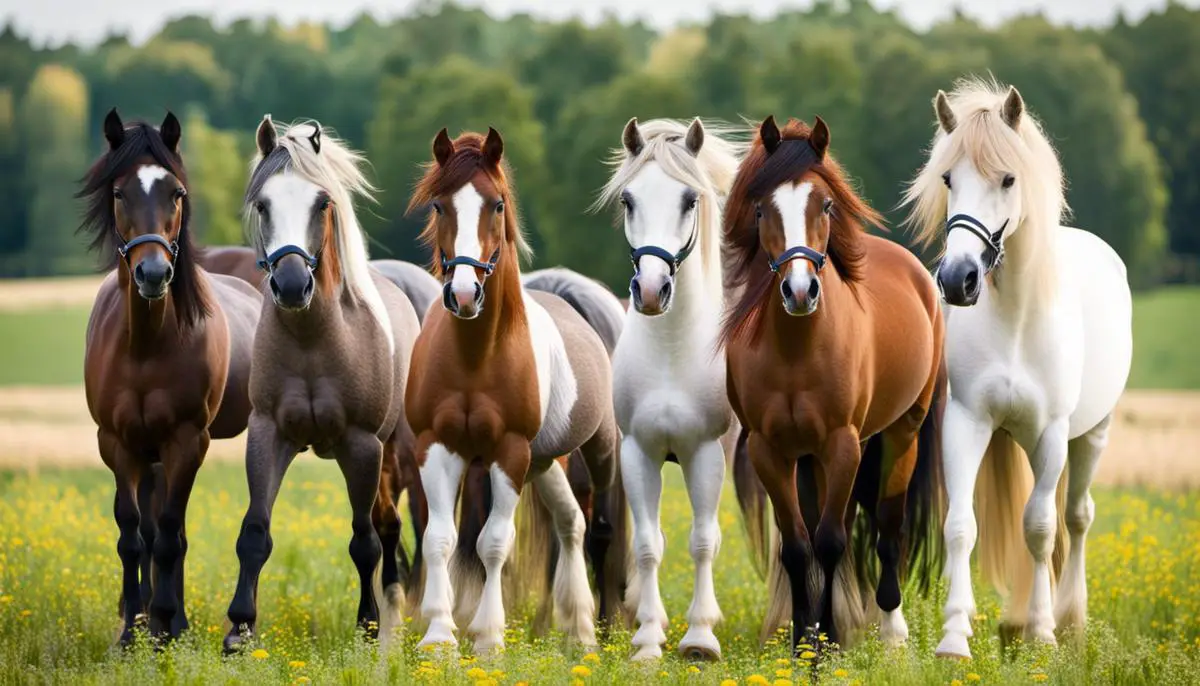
(768, 132)
(631, 138)
(945, 115)
(315, 138)
(695, 137)
(170, 132)
(493, 148)
(443, 147)
(1013, 106)
(114, 129)
(818, 138)
(266, 136)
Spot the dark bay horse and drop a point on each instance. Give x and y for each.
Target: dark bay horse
(331, 361)
(167, 361)
(513, 377)
(835, 338)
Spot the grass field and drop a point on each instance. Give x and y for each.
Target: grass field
(59, 586)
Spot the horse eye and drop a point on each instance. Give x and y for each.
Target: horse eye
(324, 204)
(758, 213)
(118, 194)
(946, 179)
(499, 207)
(827, 206)
(260, 207)
(180, 193)
(437, 208)
(1008, 181)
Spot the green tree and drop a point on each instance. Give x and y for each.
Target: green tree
(217, 177)
(461, 96)
(570, 59)
(54, 128)
(12, 179)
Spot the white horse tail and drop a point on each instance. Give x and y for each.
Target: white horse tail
(530, 569)
(1002, 488)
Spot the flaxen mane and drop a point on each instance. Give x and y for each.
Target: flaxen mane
(747, 265)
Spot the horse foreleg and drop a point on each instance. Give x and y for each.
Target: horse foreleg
(441, 474)
(150, 492)
(642, 477)
(704, 474)
(964, 441)
(385, 517)
(182, 457)
(359, 458)
(1083, 454)
(573, 602)
(896, 469)
(268, 456)
(126, 472)
(840, 457)
(1047, 460)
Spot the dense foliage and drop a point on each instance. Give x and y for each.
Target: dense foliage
(1117, 102)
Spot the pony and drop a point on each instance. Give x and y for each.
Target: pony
(514, 378)
(331, 359)
(834, 339)
(233, 260)
(166, 363)
(670, 179)
(1039, 340)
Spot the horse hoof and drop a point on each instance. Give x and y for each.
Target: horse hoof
(953, 646)
(647, 653)
(438, 636)
(235, 641)
(700, 645)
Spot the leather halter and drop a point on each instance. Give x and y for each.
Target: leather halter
(994, 254)
(799, 252)
(125, 247)
(673, 260)
(268, 263)
(487, 267)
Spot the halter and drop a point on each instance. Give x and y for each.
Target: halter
(268, 263)
(994, 254)
(487, 267)
(126, 246)
(673, 260)
(800, 252)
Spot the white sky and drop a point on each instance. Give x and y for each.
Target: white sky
(56, 21)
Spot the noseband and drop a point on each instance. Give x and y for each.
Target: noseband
(126, 246)
(268, 263)
(673, 260)
(487, 267)
(994, 254)
(800, 252)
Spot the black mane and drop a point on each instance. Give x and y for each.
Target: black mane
(142, 143)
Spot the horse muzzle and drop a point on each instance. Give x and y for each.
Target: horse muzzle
(153, 277)
(292, 283)
(804, 302)
(960, 282)
(648, 300)
(463, 303)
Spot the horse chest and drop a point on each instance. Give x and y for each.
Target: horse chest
(311, 413)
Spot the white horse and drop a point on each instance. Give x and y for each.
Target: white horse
(668, 381)
(1039, 349)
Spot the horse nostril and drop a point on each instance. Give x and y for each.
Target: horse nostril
(664, 293)
(274, 286)
(170, 273)
(635, 292)
(971, 282)
(786, 289)
(448, 299)
(139, 274)
(478, 292)
(814, 289)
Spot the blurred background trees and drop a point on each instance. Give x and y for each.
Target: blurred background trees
(1118, 103)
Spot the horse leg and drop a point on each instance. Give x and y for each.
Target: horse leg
(268, 457)
(359, 457)
(840, 457)
(1083, 454)
(126, 472)
(441, 475)
(899, 460)
(150, 492)
(496, 539)
(778, 476)
(642, 477)
(1041, 519)
(704, 474)
(182, 457)
(573, 604)
(386, 520)
(964, 440)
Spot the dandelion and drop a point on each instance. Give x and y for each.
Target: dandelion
(972, 676)
(693, 669)
(260, 654)
(497, 674)
(783, 661)
(5, 599)
(757, 680)
(581, 671)
(783, 673)
(577, 682)
(302, 680)
(807, 655)
(591, 657)
(782, 682)
(26, 613)
(486, 682)
(296, 664)
(729, 682)
(956, 682)
(841, 673)
(477, 673)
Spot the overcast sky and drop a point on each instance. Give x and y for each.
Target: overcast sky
(56, 21)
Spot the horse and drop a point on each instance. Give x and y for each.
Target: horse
(167, 359)
(234, 260)
(822, 362)
(1039, 340)
(670, 179)
(421, 288)
(332, 354)
(512, 377)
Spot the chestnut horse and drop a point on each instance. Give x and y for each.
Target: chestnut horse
(512, 377)
(167, 361)
(331, 361)
(823, 361)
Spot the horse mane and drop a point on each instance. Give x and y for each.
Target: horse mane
(747, 265)
(142, 142)
(710, 172)
(994, 149)
(337, 170)
(438, 180)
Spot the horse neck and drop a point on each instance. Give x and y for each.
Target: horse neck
(146, 319)
(503, 306)
(1026, 279)
(697, 299)
(793, 335)
(322, 313)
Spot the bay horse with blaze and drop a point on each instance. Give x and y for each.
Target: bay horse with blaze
(331, 362)
(513, 377)
(835, 338)
(167, 360)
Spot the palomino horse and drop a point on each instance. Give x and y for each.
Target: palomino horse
(823, 361)
(167, 361)
(1039, 348)
(669, 388)
(512, 377)
(331, 361)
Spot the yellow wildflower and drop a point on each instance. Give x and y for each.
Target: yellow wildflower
(296, 664)
(728, 682)
(302, 680)
(591, 657)
(5, 599)
(486, 682)
(577, 682)
(497, 674)
(783, 673)
(26, 613)
(693, 669)
(581, 671)
(260, 654)
(1040, 677)
(807, 655)
(956, 682)
(841, 673)
(972, 676)
(476, 673)
(757, 680)
(783, 661)
(782, 682)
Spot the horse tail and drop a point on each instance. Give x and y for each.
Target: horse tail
(531, 567)
(925, 502)
(618, 562)
(752, 500)
(593, 300)
(467, 574)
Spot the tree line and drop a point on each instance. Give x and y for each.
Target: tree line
(1117, 102)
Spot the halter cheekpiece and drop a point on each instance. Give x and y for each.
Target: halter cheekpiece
(125, 246)
(268, 263)
(994, 254)
(487, 267)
